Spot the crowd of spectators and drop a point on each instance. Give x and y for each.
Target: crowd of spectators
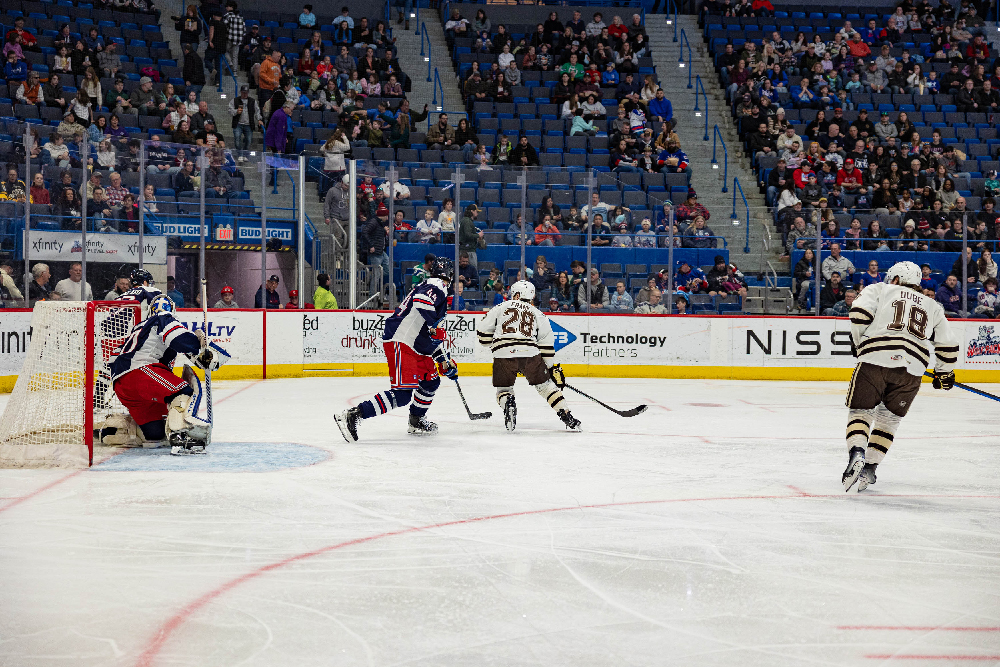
(878, 166)
(565, 291)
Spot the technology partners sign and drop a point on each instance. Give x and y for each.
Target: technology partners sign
(111, 248)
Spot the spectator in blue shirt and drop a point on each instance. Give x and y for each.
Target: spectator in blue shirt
(273, 300)
(610, 76)
(344, 18)
(928, 284)
(516, 229)
(660, 107)
(456, 301)
(15, 70)
(869, 277)
(174, 293)
(950, 298)
(307, 19)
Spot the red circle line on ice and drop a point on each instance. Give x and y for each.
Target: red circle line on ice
(170, 626)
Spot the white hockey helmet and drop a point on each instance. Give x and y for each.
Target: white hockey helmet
(522, 290)
(907, 272)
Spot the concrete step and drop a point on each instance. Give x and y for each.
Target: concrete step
(691, 129)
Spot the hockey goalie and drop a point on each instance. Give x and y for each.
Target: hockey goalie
(162, 407)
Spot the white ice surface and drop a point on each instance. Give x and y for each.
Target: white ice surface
(731, 542)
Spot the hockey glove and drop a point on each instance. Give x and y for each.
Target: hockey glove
(439, 333)
(202, 338)
(211, 358)
(943, 380)
(558, 377)
(448, 368)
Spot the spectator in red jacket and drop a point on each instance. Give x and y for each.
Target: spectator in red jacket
(801, 175)
(849, 178)
(293, 299)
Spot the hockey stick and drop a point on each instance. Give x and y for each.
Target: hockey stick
(472, 415)
(638, 410)
(968, 388)
(208, 373)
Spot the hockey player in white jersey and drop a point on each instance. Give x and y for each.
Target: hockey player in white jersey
(895, 329)
(163, 407)
(520, 337)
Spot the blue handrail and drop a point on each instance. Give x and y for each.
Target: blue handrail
(425, 36)
(690, 60)
(716, 139)
(698, 84)
(438, 85)
(738, 187)
(416, 16)
(674, 20)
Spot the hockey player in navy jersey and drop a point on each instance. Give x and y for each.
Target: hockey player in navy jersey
(413, 349)
(163, 406)
(143, 290)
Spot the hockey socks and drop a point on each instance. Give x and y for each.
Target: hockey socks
(384, 401)
(552, 395)
(859, 424)
(423, 396)
(883, 432)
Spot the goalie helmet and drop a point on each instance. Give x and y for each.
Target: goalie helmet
(522, 290)
(907, 272)
(442, 268)
(140, 276)
(160, 305)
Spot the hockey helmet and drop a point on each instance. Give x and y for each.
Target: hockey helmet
(140, 276)
(522, 290)
(442, 268)
(907, 272)
(160, 305)
(227, 290)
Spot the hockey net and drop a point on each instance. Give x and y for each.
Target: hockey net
(64, 389)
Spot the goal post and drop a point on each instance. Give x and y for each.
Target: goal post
(63, 392)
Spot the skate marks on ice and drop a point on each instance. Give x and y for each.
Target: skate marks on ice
(221, 457)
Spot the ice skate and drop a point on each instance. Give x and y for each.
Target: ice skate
(867, 477)
(853, 469)
(572, 423)
(421, 426)
(182, 444)
(509, 412)
(347, 422)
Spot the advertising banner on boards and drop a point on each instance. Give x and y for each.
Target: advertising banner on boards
(116, 248)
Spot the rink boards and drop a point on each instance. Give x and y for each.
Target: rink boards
(344, 343)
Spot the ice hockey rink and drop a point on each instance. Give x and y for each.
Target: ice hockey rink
(710, 530)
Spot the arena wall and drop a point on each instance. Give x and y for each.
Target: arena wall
(307, 343)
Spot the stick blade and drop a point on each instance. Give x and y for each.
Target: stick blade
(638, 410)
(480, 415)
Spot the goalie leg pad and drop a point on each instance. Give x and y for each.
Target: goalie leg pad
(424, 396)
(181, 420)
(552, 395)
(120, 430)
(883, 431)
(859, 424)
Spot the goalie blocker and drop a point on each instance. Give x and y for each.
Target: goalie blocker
(162, 407)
